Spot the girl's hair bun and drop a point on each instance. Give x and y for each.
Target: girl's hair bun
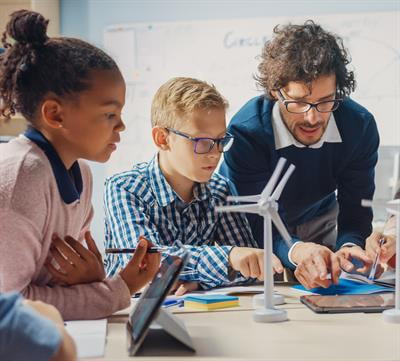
(28, 27)
(35, 65)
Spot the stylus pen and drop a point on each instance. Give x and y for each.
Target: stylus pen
(132, 250)
(371, 276)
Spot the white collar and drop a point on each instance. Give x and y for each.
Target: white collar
(283, 138)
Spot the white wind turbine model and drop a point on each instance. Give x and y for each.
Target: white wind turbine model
(392, 207)
(266, 205)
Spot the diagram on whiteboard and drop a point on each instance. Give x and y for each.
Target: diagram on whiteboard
(225, 53)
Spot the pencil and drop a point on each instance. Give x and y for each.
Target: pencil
(371, 276)
(132, 250)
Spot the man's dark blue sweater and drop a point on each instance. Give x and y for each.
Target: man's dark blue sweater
(346, 167)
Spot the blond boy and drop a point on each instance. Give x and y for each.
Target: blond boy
(171, 199)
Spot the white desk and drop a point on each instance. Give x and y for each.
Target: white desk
(232, 334)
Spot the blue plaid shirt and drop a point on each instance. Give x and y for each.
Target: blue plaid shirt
(140, 202)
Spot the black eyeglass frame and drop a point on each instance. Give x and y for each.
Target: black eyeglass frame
(212, 144)
(336, 103)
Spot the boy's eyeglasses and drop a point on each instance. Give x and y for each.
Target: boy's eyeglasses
(205, 145)
(298, 107)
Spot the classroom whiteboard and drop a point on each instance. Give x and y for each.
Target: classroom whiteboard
(225, 53)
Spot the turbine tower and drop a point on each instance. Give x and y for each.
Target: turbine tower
(392, 207)
(266, 205)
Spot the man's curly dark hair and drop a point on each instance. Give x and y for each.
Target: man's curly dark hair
(302, 53)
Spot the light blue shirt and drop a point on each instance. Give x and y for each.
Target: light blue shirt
(24, 334)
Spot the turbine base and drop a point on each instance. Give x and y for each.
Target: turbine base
(392, 315)
(267, 315)
(258, 300)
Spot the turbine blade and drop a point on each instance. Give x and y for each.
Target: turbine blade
(371, 203)
(246, 208)
(393, 207)
(390, 206)
(279, 188)
(366, 202)
(274, 178)
(255, 198)
(280, 226)
(379, 203)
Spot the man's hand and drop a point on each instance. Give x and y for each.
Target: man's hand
(250, 262)
(347, 254)
(77, 263)
(141, 268)
(314, 263)
(388, 248)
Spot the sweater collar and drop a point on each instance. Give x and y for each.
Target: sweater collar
(69, 182)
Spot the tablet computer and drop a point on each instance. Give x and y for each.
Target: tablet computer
(149, 303)
(376, 302)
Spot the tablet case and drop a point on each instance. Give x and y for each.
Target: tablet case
(165, 327)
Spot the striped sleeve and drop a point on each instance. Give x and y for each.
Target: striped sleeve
(126, 220)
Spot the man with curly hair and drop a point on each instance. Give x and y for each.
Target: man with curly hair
(307, 117)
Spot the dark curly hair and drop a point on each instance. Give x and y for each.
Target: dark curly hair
(34, 65)
(303, 53)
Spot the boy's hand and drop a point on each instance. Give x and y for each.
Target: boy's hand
(250, 262)
(180, 287)
(77, 264)
(141, 268)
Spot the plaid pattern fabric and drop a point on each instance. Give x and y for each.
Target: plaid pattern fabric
(140, 202)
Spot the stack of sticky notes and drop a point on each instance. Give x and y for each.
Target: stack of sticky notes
(211, 302)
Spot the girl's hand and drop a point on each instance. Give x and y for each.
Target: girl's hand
(77, 263)
(141, 268)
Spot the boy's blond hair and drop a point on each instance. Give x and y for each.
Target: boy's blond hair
(179, 97)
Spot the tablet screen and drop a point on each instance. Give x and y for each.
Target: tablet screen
(150, 301)
(349, 303)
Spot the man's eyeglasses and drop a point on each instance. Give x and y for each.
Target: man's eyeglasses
(205, 145)
(298, 107)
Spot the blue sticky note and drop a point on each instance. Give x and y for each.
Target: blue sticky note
(347, 287)
(207, 299)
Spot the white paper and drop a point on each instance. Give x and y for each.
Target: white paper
(387, 277)
(89, 337)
